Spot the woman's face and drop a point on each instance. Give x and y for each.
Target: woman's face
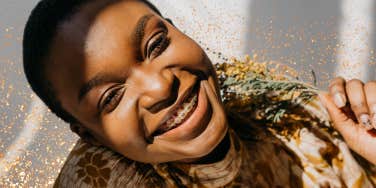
(136, 83)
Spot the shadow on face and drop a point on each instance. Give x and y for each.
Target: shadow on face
(136, 83)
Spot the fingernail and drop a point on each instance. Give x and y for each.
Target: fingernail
(364, 118)
(339, 100)
(374, 115)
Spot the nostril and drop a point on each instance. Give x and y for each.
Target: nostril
(170, 98)
(200, 74)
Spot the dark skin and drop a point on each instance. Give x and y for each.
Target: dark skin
(146, 73)
(143, 67)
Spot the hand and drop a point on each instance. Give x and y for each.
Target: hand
(352, 108)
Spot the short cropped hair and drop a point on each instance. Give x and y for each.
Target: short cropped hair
(39, 34)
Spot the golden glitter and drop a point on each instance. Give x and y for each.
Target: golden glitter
(22, 108)
(41, 162)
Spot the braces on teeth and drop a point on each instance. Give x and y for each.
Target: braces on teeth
(182, 112)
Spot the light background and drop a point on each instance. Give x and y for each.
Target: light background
(329, 37)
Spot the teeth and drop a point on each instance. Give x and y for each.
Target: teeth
(182, 112)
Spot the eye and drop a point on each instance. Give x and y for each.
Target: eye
(158, 45)
(112, 99)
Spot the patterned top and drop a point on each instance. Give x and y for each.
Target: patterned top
(280, 136)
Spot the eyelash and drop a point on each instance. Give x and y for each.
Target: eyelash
(160, 44)
(112, 99)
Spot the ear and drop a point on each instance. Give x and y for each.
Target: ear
(170, 21)
(84, 134)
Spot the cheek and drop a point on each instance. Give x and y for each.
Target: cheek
(185, 51)
(122, 129)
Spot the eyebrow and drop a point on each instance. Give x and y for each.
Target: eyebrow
(96, 81)
(139, 33)
(100, 79)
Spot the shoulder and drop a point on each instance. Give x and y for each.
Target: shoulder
(92, 166)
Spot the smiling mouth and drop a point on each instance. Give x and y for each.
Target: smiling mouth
(181, 113)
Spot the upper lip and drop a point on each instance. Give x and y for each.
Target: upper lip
(183, 97)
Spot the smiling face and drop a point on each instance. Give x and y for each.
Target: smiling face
(136, 83)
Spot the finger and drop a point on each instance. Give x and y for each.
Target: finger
(341, 121)
(338, 91)
(355, 136)
(370, 91)
(357, 98)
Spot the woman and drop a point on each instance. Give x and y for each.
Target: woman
(127, 79)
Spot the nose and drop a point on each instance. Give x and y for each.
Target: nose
(158, 89)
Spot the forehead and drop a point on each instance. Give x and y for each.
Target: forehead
(98, 24)
(95, 33)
